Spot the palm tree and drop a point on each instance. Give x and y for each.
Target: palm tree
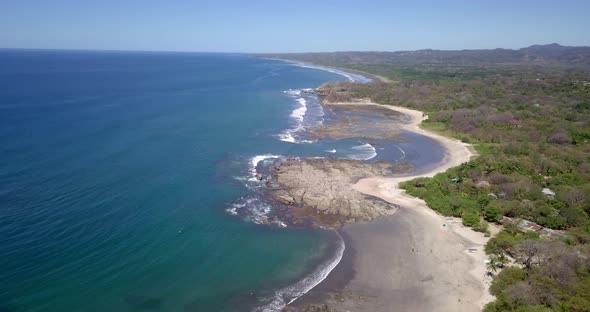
(501, 259)
(492, 266)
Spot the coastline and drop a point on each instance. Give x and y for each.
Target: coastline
(411, 260)
(337, 70)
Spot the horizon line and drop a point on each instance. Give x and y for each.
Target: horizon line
(258, 53)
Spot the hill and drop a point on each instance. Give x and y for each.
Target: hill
(441, 64)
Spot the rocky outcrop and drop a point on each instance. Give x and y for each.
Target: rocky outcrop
(321, 189)
(369, 122)
(351, 127)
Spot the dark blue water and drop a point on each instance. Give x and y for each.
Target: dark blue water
(117, 169)
(115, 172)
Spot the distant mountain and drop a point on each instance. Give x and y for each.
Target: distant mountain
(559, 53)
(537, 54)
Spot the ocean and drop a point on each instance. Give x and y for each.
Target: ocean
(127, 180)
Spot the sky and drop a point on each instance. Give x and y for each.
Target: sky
(291, 26)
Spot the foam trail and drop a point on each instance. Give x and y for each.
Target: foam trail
(366, 152)
(331, 151)
(401, 150)
(287, 295)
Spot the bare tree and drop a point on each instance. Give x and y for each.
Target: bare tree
(522, 293)
(528, 252)
(561, 263)
(573, 196)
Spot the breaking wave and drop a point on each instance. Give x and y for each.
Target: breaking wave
(363, 152)
(350, 76)
(287, 295)
(401, 150)
(255, 161)
(297, 115)
(254, 209)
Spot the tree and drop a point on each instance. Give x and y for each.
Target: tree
(492, 266)
(527, 251)
(501, 259)
(522, 293)
(574, 216)
(510, 275)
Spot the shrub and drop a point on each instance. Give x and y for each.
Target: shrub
(483, 227)
(491, 214)
(574, 216)
(498, 178)
(470, 218)
(560, 138)
(508, 276)
(580, 235)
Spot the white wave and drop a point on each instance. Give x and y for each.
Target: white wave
(278, 223)
(259, 213)
(363, 152)
(299, 112)
(351, 77)
(293, 92)
(287, 136)
(255, 210)
(287, 295)
(401, 150)
(233, 210)
(331, 151)
(331, 70)
(298, 115)
(254, 161)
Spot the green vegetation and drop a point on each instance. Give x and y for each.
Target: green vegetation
(527, 113)
(531, 131)
(551, 275)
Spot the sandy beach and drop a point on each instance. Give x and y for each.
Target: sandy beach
(414, 260)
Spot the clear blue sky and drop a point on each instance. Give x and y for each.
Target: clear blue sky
(291, 26)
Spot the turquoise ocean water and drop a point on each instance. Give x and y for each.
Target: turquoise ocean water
(126, 181)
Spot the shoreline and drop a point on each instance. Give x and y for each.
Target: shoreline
(333, 69)
(375, 275)
(378, 273)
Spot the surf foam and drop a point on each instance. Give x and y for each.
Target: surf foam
(253, 209)
(254, 161)
(363, 152)
(351, 77)
(287, 295)
(293, 92)
(401, 150)
(298, 115)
